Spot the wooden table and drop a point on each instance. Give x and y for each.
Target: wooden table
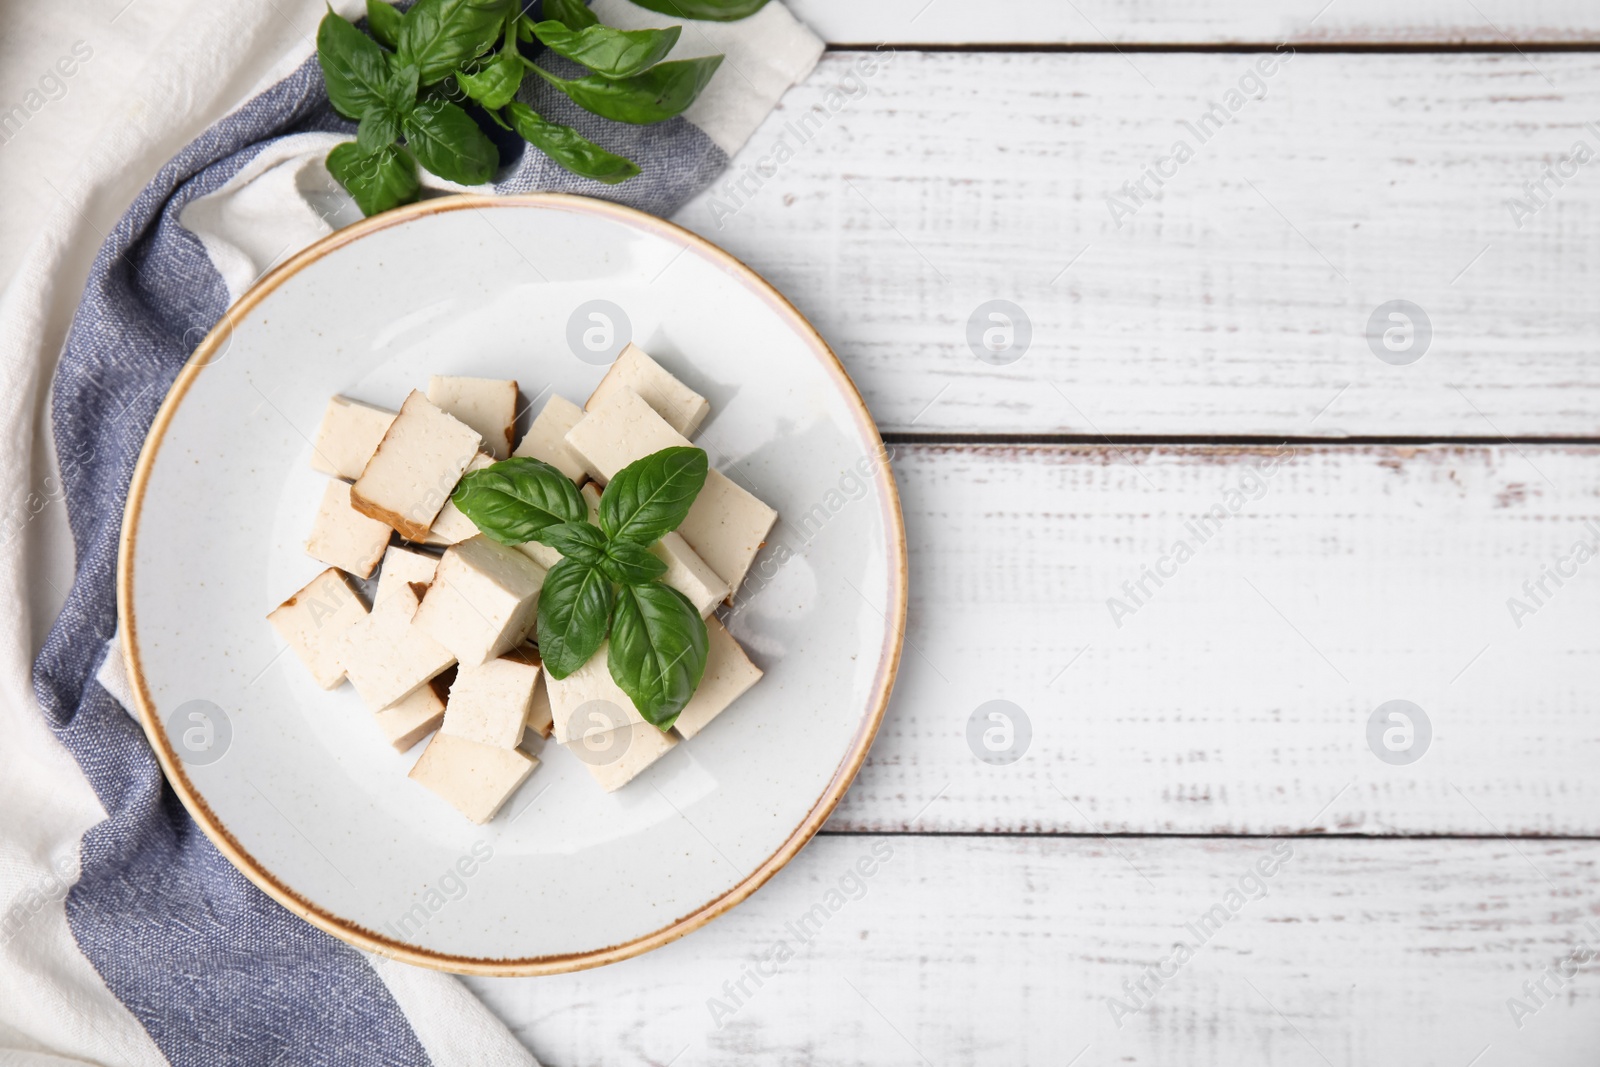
(1365, 521)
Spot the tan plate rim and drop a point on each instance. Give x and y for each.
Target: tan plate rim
(369, 940)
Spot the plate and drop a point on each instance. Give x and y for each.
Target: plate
(296, 786)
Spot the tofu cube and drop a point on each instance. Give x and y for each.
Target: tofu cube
(682, 408)
(343, 536)
(387, 658)
(587, 702)
(316, 621)
(689, 574)
(726, 525)
(348, 437)
(452, 526)
(547, 437)
(729, 673)
(483, 600)
(616, 757)
(418, 463)
(414, 717)
(541, 720)
(488, 405)
(402, 568)
(475, 779)
(489, 703)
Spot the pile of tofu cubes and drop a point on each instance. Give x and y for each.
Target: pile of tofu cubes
(446, 646)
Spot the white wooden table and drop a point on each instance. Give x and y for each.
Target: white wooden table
(1222, 721)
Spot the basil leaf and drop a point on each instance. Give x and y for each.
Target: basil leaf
(570, 148)
(401, 90)
(438, 36)
(495, 84)
(608, 52)
(377, 181)
(715, 10)
(650, 497)
(663, 91)
(573, 14)
(449, 143)
(384, 21)
(355, 69)
(575, 540)
(514, 499)
(574, 612)
(658, 650)
(378, 129)
(630, 564)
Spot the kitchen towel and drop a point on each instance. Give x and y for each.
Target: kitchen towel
(191, 963)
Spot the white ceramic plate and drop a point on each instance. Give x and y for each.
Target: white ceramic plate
(306, 798)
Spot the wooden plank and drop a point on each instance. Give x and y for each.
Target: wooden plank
(960, 951)
(1236, 304)
(1098, 22)
(1235, 696)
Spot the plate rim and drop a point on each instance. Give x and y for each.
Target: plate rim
(352, 932)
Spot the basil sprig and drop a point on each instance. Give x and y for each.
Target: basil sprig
(607, 581)
(407, 85)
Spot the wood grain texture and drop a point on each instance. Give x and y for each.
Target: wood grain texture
(1238, 302)
(1234, 696)
(1097, 22)
(1007, 951)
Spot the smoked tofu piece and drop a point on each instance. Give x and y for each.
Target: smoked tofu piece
(726, 525)
(316, 621)
(689, 574)
(682, 408)
(729, 673)
(402, 568)
(489, 703)
(475, 779)
(488, 405)
(387, 658)
(413, 717)
(418, 463)
(547, 437)
(541, 720)
(615, 758)
(588, 702)
(343, 536)
(483, 600)
(348, 437)
(452, 526)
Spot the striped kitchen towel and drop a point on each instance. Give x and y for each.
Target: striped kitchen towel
(191, 963)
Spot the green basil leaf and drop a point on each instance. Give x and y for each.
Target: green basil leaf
(438, 36)
(574, 614)
(630, 564)
(449, 143)
(383, 20)
(570, 148)
(378, 182)
(573, 14)
(378, 129)
(355, 69)
(495, 84)
(514, 499)
(575, 540)
(401, 90)
(714, 10)
(611, 53)
(650, 496)
(663, 91)
(658, 650)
